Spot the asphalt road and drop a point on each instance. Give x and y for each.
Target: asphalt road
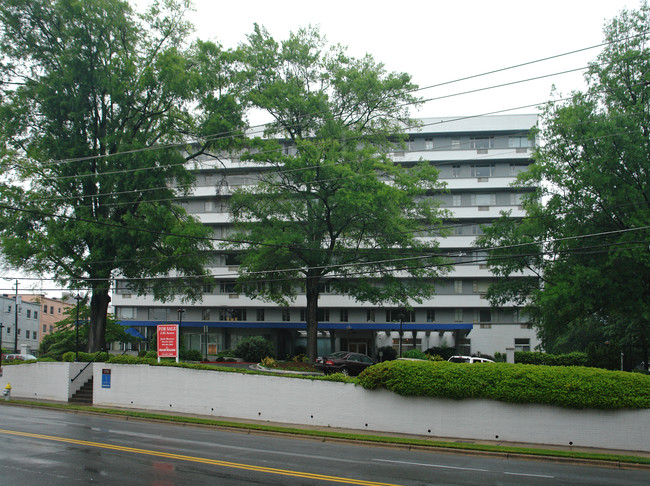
(50, 447)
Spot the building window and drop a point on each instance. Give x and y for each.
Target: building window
(35, 314)
(9, 308)
(458, 315)
(486, 326)
(431, 315)
(481, 142)
(259, 315)
(485, 315)
(227, 287)
(482, 170)
(207, 288)
(59, 310)
(520, 142)
(18, 331)
(464, 346)
(343, 314)
(455, 143)
(456, 200)
(34, 335)
(428, 143)
(286, 315)
(209, 206)
(8, 330)
(393, 315)
(517, 167)
(324, 287)
(458, 286)
(455, 170)
(484, 199)
(51, 309)
(205, 314)
(370, 315)
(44, 328)
(126, 313)
(522, 344)
(232, 314)
(45, 309)
(27, 334)
(29, 313)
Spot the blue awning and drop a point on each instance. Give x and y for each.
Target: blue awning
(134, 332)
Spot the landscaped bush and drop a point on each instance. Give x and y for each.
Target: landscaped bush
(570, 387)
(444, 352)
(191, 355)
(414, 354)
(254, 349)
(99, 356)
(570, 359)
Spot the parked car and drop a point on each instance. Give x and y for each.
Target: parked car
(19, 357)
(344, 362)
(469, 359)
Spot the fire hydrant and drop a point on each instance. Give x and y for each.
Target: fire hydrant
(7, 391)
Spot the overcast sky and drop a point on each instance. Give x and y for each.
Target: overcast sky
(439, 41)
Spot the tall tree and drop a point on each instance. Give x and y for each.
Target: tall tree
(330, 206)
(586, 231)
(95, 104)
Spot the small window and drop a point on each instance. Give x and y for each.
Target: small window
(286, 315)
(27, 334)
(455, 143)
(29, 313)
(485, 315)
(458, 315)
(344, 315)
(458, 286)
(51, 309)
(481, 142)
(455, 170)
(370, 315)
(522, 344)
(259, 315)
(44, 328)
(428, 143)
(431, 315)
(205, 314)
(35, 314)
(482, 170)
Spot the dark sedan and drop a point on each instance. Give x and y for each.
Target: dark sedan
(344, 362)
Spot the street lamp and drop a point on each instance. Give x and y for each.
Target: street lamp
(401, 324)
(16, 321)
(180, 325)
(77, 298)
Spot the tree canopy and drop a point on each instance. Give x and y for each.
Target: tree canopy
(584, 242)
(330, 208)
(100, 111)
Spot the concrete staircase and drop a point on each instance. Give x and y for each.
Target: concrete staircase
(85, 393)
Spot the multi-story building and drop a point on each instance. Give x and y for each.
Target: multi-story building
(19, 324)
(478, 159)
(53, 310)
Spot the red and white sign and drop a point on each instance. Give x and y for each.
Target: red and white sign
(167, 340)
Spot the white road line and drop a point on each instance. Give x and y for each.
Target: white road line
(529, 475)
(432, 465)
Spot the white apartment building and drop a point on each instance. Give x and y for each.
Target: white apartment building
(19, 324)
(478, 158)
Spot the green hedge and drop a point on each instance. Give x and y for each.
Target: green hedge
(569, 387)
(570, 359)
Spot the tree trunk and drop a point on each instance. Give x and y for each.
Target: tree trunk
(312, 318)
(97, 328)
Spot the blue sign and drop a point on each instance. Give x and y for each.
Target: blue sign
(106, 378)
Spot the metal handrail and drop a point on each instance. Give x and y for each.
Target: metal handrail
(89, 363)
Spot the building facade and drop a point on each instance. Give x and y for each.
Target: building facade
(53, 310)
(19, 324)
(478, 159)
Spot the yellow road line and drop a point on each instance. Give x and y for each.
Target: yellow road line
(213, 462)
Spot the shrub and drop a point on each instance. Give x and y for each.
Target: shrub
(569, 387)
(269, 362)
(444, 352)
(389, 353)
(570, 359)
(253, 349)
(414, 354)
(191, 355)
(99, 356)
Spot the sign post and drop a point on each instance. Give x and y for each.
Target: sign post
(167, 341)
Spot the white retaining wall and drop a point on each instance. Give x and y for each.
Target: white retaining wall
(45, 381)
(311, 402)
